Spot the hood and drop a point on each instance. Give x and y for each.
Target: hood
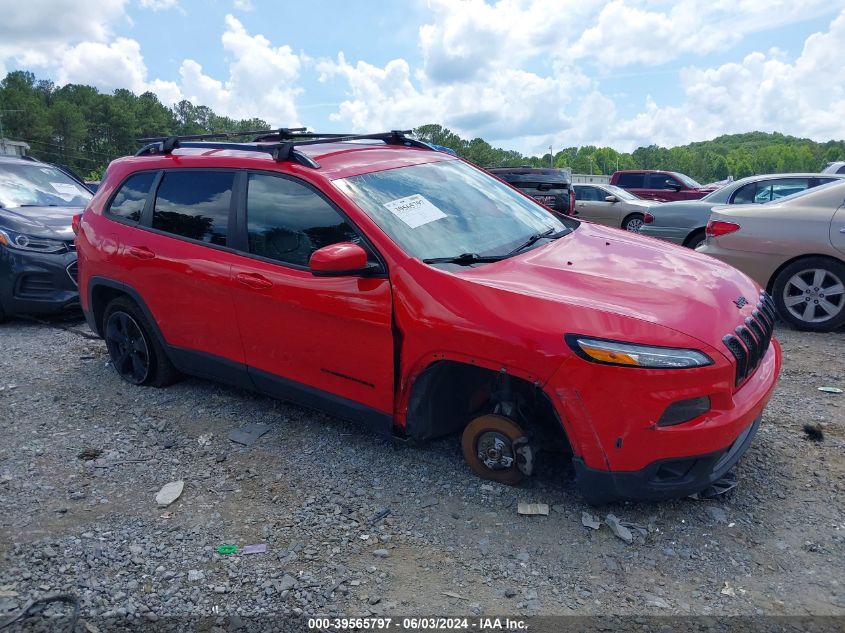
(613, 271)
(48, 222)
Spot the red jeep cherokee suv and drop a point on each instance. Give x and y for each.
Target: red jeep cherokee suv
(386, 282)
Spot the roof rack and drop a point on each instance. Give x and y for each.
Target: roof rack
(281, 144)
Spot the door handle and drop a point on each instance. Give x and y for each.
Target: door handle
(141, 252)
(253, 280)
(842, 230)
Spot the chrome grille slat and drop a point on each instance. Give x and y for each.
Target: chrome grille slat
(751, 339)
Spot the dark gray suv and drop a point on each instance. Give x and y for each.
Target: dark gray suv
(551, 187)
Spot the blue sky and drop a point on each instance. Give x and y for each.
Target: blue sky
(520, 73)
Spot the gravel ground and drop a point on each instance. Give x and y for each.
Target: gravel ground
(356, 526)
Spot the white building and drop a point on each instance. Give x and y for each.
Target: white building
(13, 148)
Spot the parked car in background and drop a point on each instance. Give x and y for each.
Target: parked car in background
(683, 222)
(37, 253)
(610, 205)
(835, 168)
(551, 187)
(417, 294)
(794, 247)
(659, 185)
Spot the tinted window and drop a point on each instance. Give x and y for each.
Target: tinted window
(662, 181)
(287, 221)
(636, 181)
(745, 195)
(589, 194)
(195, 204)
(131, 197)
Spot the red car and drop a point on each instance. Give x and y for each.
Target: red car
(663, 186)
(382, 281)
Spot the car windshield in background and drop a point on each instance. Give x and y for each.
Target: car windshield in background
(448, 208)
(621, 193)
(33, 185)
(689, 182)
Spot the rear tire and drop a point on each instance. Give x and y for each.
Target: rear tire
(810, 294)
(695, 239)
(135, 351)
(488, 447)
(633, 222)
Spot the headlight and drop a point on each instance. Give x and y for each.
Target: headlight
(633, 355)
(23, 242)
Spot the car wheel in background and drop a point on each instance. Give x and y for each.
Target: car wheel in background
(633, 222)
(695, 239)
(490, 447)
(135, 352)
(810, 294)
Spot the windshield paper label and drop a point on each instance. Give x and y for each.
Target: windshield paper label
(65, 189)
(414, 210)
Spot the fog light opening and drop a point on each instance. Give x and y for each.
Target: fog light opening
(684, 411)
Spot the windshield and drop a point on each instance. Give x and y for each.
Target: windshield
(621, 193)
(448, 208)
(689, 182)
(37, 185)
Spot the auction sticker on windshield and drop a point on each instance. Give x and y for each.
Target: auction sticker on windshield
(414, 210)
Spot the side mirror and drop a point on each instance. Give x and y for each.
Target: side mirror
(611, 199)
(339, 260)
(671, 184)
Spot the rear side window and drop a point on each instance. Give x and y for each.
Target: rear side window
(132, 196)
(636, 181)
(195, 204)
(774, 189)
(287, 221)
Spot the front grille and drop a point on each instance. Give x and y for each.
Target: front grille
(751, 339)
(36, 286)
(73, 273)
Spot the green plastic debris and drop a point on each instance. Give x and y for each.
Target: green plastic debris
(225, 550)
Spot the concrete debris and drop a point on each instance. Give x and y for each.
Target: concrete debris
(618, 529)
(531, 509)
(169, 493)
(590, 521)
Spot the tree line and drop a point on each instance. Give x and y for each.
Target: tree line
(78, 126)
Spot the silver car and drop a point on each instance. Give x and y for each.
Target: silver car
(610, 205)
(793, 247)
(684, 222)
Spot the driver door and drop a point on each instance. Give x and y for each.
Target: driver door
(320, 341)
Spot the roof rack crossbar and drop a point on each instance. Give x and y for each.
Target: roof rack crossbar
(289, 138)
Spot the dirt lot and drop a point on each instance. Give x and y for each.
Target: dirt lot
(355, 526)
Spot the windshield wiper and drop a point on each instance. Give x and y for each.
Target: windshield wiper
(465, 259)
(536, 238)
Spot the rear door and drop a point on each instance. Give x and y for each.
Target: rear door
(178, 260)
(635, 182)
(591, 205)
(321, 340)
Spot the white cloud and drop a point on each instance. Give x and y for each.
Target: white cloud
(35, 33)
(262, 82)
(159, 5)
(243, 5)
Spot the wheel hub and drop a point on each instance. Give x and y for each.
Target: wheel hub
(495, 451)
(814, 295)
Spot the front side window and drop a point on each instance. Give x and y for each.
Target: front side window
(588, 194)
(28, 184)
(662, 181)
(195, 204)
(132, 196)
(287, 221)
(449, 208)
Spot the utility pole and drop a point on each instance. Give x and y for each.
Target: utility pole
(590, 158)
(551, 158)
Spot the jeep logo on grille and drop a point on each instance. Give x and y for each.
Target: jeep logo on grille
(740, 302)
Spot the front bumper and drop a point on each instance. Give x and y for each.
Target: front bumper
(37, 283)
(663, 479)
